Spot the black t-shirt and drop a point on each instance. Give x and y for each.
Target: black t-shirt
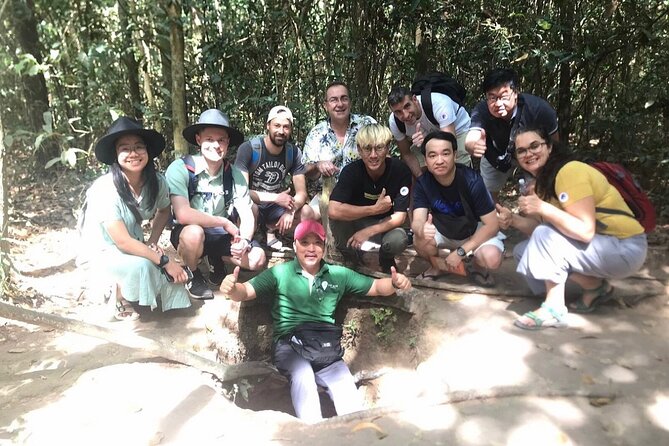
(531, 111)
(356, 187)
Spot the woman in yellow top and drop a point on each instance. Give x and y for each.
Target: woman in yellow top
(569, 238)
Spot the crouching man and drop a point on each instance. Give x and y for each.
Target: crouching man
(371, 199)
(454, 210)
(306, 292)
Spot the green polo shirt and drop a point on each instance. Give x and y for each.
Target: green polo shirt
(209, 198)
(294, 302)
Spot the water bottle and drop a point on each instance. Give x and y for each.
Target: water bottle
(522, 186)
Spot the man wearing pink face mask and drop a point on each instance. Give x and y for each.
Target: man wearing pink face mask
(495, 121)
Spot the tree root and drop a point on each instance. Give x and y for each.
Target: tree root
(224, 372)
(595, 394)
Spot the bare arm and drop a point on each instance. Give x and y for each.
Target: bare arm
(418, 221)
(128, 245)
(186, 215)
(485, 232)
(387, 286)
(507, 219)
(235, 290)
(577, 221)
(475, 142)
(159, 221)
(349, 212)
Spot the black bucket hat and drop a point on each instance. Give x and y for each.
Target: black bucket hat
(213, 118)
(105, 150)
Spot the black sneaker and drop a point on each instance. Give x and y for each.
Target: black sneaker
(385, 263)
(217, 275)
(198, 288)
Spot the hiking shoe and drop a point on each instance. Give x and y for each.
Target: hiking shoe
(198, 288)
(217, 275)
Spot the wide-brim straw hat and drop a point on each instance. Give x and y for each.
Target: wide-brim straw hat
(105, 149)
(213, 118)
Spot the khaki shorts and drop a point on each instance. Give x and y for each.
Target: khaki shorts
(494, 179)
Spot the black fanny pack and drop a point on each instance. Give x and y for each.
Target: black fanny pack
(318, 342)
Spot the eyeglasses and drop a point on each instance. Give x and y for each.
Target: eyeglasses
(334, 100)
(522, 152)
(139, 149)
(367, 150)
(493, 99)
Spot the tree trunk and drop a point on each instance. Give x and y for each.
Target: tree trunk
(4, 250)
(173, 9)
(34, 87)
(130, 61)
(566, 8)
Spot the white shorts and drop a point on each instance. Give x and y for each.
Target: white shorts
(445, 242)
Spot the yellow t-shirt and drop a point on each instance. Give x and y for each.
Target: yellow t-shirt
(577, 180)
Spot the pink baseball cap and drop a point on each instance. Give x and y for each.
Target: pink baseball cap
(307, 227)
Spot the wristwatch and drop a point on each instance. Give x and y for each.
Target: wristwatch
(461, 252)
(164, 260)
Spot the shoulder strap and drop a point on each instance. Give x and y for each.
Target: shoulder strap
(426, 102)
(465, 195)
(256, 154)
(290, 156)
(189, 162)
(400, 125)
(227, 184)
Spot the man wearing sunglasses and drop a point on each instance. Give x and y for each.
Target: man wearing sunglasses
(495, 120)
(369, 204)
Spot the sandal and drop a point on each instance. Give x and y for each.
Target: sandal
(481, 278)
(125, 311)
(603, 294)
(431, 277)
(557, 319)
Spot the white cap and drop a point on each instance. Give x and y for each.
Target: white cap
(280, 110)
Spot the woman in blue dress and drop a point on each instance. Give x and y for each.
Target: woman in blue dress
(112, 237)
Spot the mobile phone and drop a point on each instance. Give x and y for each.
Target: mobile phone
(169, 278)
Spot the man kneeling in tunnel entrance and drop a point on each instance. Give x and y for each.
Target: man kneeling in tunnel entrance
(307, 343)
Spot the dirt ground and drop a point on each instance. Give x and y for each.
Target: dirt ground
(448, 367)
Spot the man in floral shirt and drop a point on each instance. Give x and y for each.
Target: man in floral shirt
(330, 145)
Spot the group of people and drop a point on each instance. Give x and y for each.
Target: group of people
(430, 196)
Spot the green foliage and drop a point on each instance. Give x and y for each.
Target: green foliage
(602, 64)
(384, 320)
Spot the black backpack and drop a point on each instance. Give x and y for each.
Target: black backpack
(435, 82)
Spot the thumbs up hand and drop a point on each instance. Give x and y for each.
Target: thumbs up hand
(504, 216)
(228, 284)
(417, 137)
(399, 281)
(480, 145)
(383, 203)
(429, 230)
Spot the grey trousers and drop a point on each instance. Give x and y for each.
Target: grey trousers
(304, 381)
(550, 255)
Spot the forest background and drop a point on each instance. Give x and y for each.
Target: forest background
(68, 68)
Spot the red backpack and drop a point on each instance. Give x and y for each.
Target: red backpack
(629, 188)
